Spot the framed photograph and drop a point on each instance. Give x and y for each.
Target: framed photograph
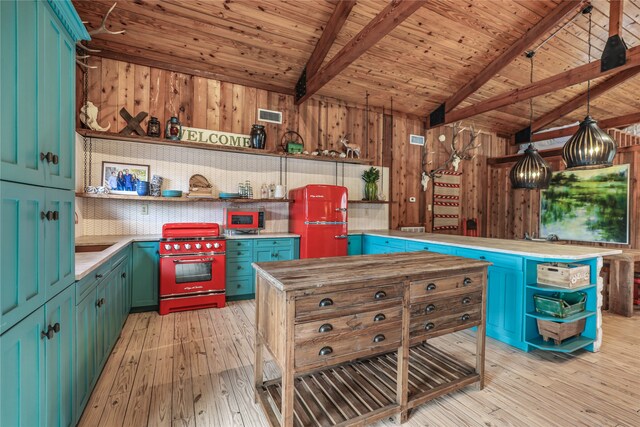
(123, 178)
(587, 205)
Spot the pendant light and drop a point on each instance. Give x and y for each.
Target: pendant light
(531, 171)
(590, 147)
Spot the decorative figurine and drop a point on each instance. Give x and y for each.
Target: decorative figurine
(351, 148)
(173, 130)
(153, 127)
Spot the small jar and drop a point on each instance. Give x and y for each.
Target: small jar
(258, 137)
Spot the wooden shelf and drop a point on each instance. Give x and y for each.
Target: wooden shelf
(212, 147)
(435, 373)
(572, 318)
(175, 199)
(567, 346)
(369, 202)
(551, 288)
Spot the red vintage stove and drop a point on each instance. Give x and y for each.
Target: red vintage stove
(192, 267)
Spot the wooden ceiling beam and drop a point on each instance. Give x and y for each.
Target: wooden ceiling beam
(516, 49)
(391, 16)
(613, 122)
(615, 17)
(554, 83)
(578, 102)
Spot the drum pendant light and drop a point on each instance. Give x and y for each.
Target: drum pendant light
(531, 171)
(590, 147)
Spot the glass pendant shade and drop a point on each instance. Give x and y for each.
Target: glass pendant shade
(531, 171)
(589, 148)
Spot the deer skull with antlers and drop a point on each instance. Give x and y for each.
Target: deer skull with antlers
(457, 155)
(102, 29)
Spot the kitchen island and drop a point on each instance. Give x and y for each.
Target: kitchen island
(349, 334)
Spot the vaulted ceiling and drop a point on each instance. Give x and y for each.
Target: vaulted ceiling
(420, 63)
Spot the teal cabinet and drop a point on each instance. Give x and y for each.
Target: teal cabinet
(38, 87)
(59, 232)
(22, 368)
(354, 244)
(505, 314)
(22, 287)
(413, 246)
(382, 245)
(86, 338)
(60, 359)
(144, 275)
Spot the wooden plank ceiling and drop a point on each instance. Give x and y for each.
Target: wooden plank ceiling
(420, 63)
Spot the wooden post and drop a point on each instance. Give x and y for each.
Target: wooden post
(481, 333)
(402, 386)
(288, 391)
(615, 17)
(258, 364)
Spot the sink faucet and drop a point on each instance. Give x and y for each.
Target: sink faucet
(552, 237)
(529, 237)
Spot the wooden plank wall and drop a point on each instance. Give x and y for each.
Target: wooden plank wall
(212, 104)
(513, 212)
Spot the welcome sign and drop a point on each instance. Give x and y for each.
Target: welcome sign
(215, 137)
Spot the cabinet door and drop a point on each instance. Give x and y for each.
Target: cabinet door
(263, 255)
(19, 149)
(123, 290)
(60, 359)
(22, 369)
(22, 287)
(505, 304)
(56, 100)
(86, 340)
(102, 325)
(144, 277)
(59, 256)
(282, 254)
(354, 244)
(113, 303)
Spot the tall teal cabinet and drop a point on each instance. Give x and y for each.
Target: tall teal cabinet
(37, 178)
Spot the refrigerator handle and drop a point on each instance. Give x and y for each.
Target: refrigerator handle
(341, 236)
(341, 209)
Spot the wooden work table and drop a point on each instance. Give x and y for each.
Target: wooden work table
(349, 334)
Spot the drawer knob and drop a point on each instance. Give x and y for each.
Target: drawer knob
(380, 295)
(239, 253)
(467, 281)
(465, 317)
(430, 308)
(48, 334)
(483, 257)
(429, 326)
(56, 327)
(379, 317)
(466, 300)
(98, 276)
(379, 338)
(326, 302)
(325, 328)
(239, 267)
(325, 351)
(431, 287)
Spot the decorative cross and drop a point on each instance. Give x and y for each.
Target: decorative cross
(133, 123)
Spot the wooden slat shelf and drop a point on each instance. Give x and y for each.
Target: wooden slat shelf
(431, 372)
(175, 199)
(212, 147)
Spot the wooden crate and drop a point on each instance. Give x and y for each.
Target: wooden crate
(564, 275)
(559, 332)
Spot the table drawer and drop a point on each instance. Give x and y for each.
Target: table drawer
(332, 303)
(435, 287)
(436, 307)
(321, 330)
(433, 325)
(352, 345)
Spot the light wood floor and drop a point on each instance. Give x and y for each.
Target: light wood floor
(195, 369)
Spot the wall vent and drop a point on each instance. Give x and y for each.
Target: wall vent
(416, 139)
(270, 116)
(413, 229)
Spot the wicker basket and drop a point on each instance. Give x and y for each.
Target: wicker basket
(560, 331)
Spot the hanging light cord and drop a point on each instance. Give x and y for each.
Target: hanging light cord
(589, 81)
(530, 54)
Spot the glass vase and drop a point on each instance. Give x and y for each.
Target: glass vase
(371, 191)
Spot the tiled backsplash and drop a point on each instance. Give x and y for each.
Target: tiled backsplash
(224, 171)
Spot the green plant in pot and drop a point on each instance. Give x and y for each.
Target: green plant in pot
(371, 177)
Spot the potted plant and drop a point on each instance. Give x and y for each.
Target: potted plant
(371, 177)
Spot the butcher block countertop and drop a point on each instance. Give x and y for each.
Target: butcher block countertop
(317, 272)
(515, 247)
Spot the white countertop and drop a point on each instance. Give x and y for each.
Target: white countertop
(261, 236)
(515, 247)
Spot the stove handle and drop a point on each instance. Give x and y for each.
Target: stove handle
(341, 236)
(192, 261)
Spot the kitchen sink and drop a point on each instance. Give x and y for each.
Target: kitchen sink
(92, 248)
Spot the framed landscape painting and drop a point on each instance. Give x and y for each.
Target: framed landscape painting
(587, 205)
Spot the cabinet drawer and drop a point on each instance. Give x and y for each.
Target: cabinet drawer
(438, 307)
(321, 330)
(385, 241)
(425, 246)
(498, 260)
(425, 326)
(339, 303)
(348, 346)
(239, 268)
(270, 243)
(89, 282)
(239, 253)
(239, 286)
(239, 244)
(435, 287)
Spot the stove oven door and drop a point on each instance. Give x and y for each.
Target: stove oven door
(191, 274)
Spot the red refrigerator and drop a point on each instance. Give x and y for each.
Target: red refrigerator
(318, 213)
